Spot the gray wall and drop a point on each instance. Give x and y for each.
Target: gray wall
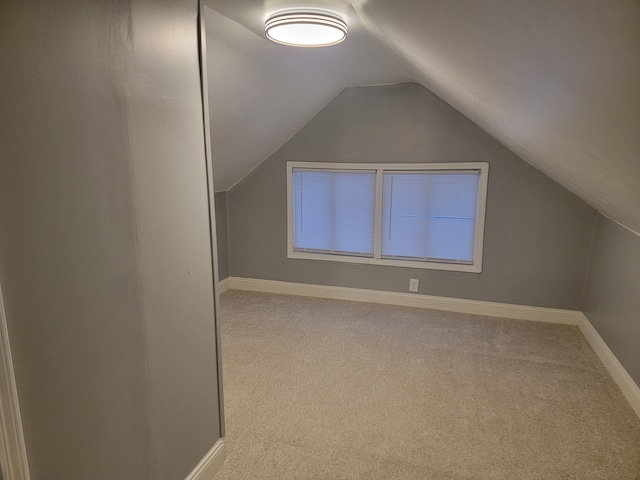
(537, 233)
(612, 293)
(221, 235)
(104, 243)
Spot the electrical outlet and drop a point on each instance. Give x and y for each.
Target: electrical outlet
(413, 285)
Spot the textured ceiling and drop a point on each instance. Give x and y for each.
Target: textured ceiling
(556, 81)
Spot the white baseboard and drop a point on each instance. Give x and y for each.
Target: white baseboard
(477, 307)
(224, 285)
(629, 388)
(207, 468)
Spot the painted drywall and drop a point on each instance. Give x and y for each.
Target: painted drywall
(166, 141)
(558, 82)
(611, 300)
(221, 234)
(252, 81)
(537, 233)
(104, 244)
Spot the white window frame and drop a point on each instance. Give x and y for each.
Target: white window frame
(474, 267)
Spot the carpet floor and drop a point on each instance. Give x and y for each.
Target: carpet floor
(327, 389)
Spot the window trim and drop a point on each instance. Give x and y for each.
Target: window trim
(474, 267)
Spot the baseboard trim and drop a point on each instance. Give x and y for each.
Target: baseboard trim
(458, 305)
(224, 285)
(12, 446)
(629, 388)
(207, 468)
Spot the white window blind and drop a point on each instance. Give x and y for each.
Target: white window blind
(334, 211)
(430, 215)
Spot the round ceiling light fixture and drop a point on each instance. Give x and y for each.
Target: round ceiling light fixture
(309, 28)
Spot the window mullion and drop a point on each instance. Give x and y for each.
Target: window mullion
(377, 241)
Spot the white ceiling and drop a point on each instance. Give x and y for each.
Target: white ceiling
(557, 81)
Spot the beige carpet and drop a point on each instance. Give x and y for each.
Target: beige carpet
(324, 389)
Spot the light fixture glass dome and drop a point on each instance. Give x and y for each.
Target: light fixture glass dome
(306, 28)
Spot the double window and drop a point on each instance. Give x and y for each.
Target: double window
(415, 215)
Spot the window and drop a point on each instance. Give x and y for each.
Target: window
(412, 215)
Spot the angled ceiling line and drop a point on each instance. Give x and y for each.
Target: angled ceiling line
(555, 82)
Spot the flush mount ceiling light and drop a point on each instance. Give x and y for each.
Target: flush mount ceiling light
(306, 28)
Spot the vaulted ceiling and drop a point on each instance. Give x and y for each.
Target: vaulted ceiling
(557, 81)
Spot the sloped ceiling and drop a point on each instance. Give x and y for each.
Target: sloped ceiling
(261, 94)
(556, 81)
